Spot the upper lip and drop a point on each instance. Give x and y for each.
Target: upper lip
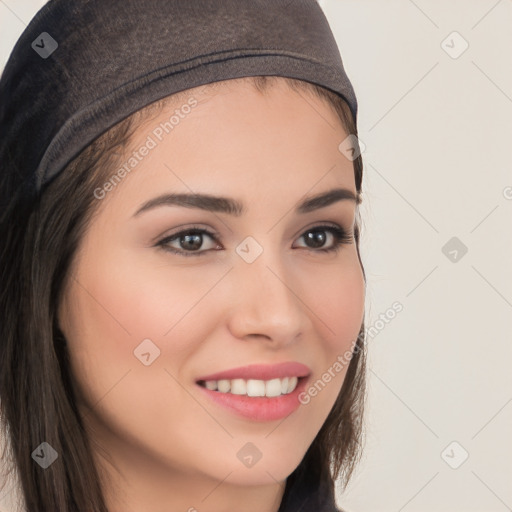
(261, 372)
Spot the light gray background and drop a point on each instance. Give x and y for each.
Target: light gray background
(438, 133)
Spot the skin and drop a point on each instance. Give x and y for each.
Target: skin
(172, 448)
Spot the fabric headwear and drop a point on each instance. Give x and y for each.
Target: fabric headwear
(82, 66)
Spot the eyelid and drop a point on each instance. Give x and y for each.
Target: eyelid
(187, 229)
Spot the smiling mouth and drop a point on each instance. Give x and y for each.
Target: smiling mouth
(253, 387)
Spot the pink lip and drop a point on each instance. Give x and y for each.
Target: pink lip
(259, 408)
(261, 372)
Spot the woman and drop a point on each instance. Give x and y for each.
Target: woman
(182, 290)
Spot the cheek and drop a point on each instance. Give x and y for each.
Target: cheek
(335, 298)
(341, 309)
(116, 304)
(338, 302)
(108, 312)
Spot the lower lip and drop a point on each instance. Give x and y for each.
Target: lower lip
(259, 408)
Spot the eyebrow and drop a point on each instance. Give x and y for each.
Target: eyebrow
(234, 207)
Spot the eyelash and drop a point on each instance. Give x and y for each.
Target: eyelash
(340, 237)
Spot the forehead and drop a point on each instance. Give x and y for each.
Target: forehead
(232, 139)
(243, 95)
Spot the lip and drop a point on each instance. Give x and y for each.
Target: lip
(258, 408)
(261, 372)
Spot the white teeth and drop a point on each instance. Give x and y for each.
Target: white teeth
(254, 387)
(224, 386)
(292, 384)
(273, 387)
(238, 387)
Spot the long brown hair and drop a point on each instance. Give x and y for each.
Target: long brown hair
(39, 240)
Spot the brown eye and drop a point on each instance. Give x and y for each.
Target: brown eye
(316, 238)
(189, 242)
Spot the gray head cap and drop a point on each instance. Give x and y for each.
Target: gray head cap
(82, 66)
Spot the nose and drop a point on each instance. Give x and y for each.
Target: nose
(267, 301)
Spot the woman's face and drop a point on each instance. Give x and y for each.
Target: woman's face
(144, 324)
